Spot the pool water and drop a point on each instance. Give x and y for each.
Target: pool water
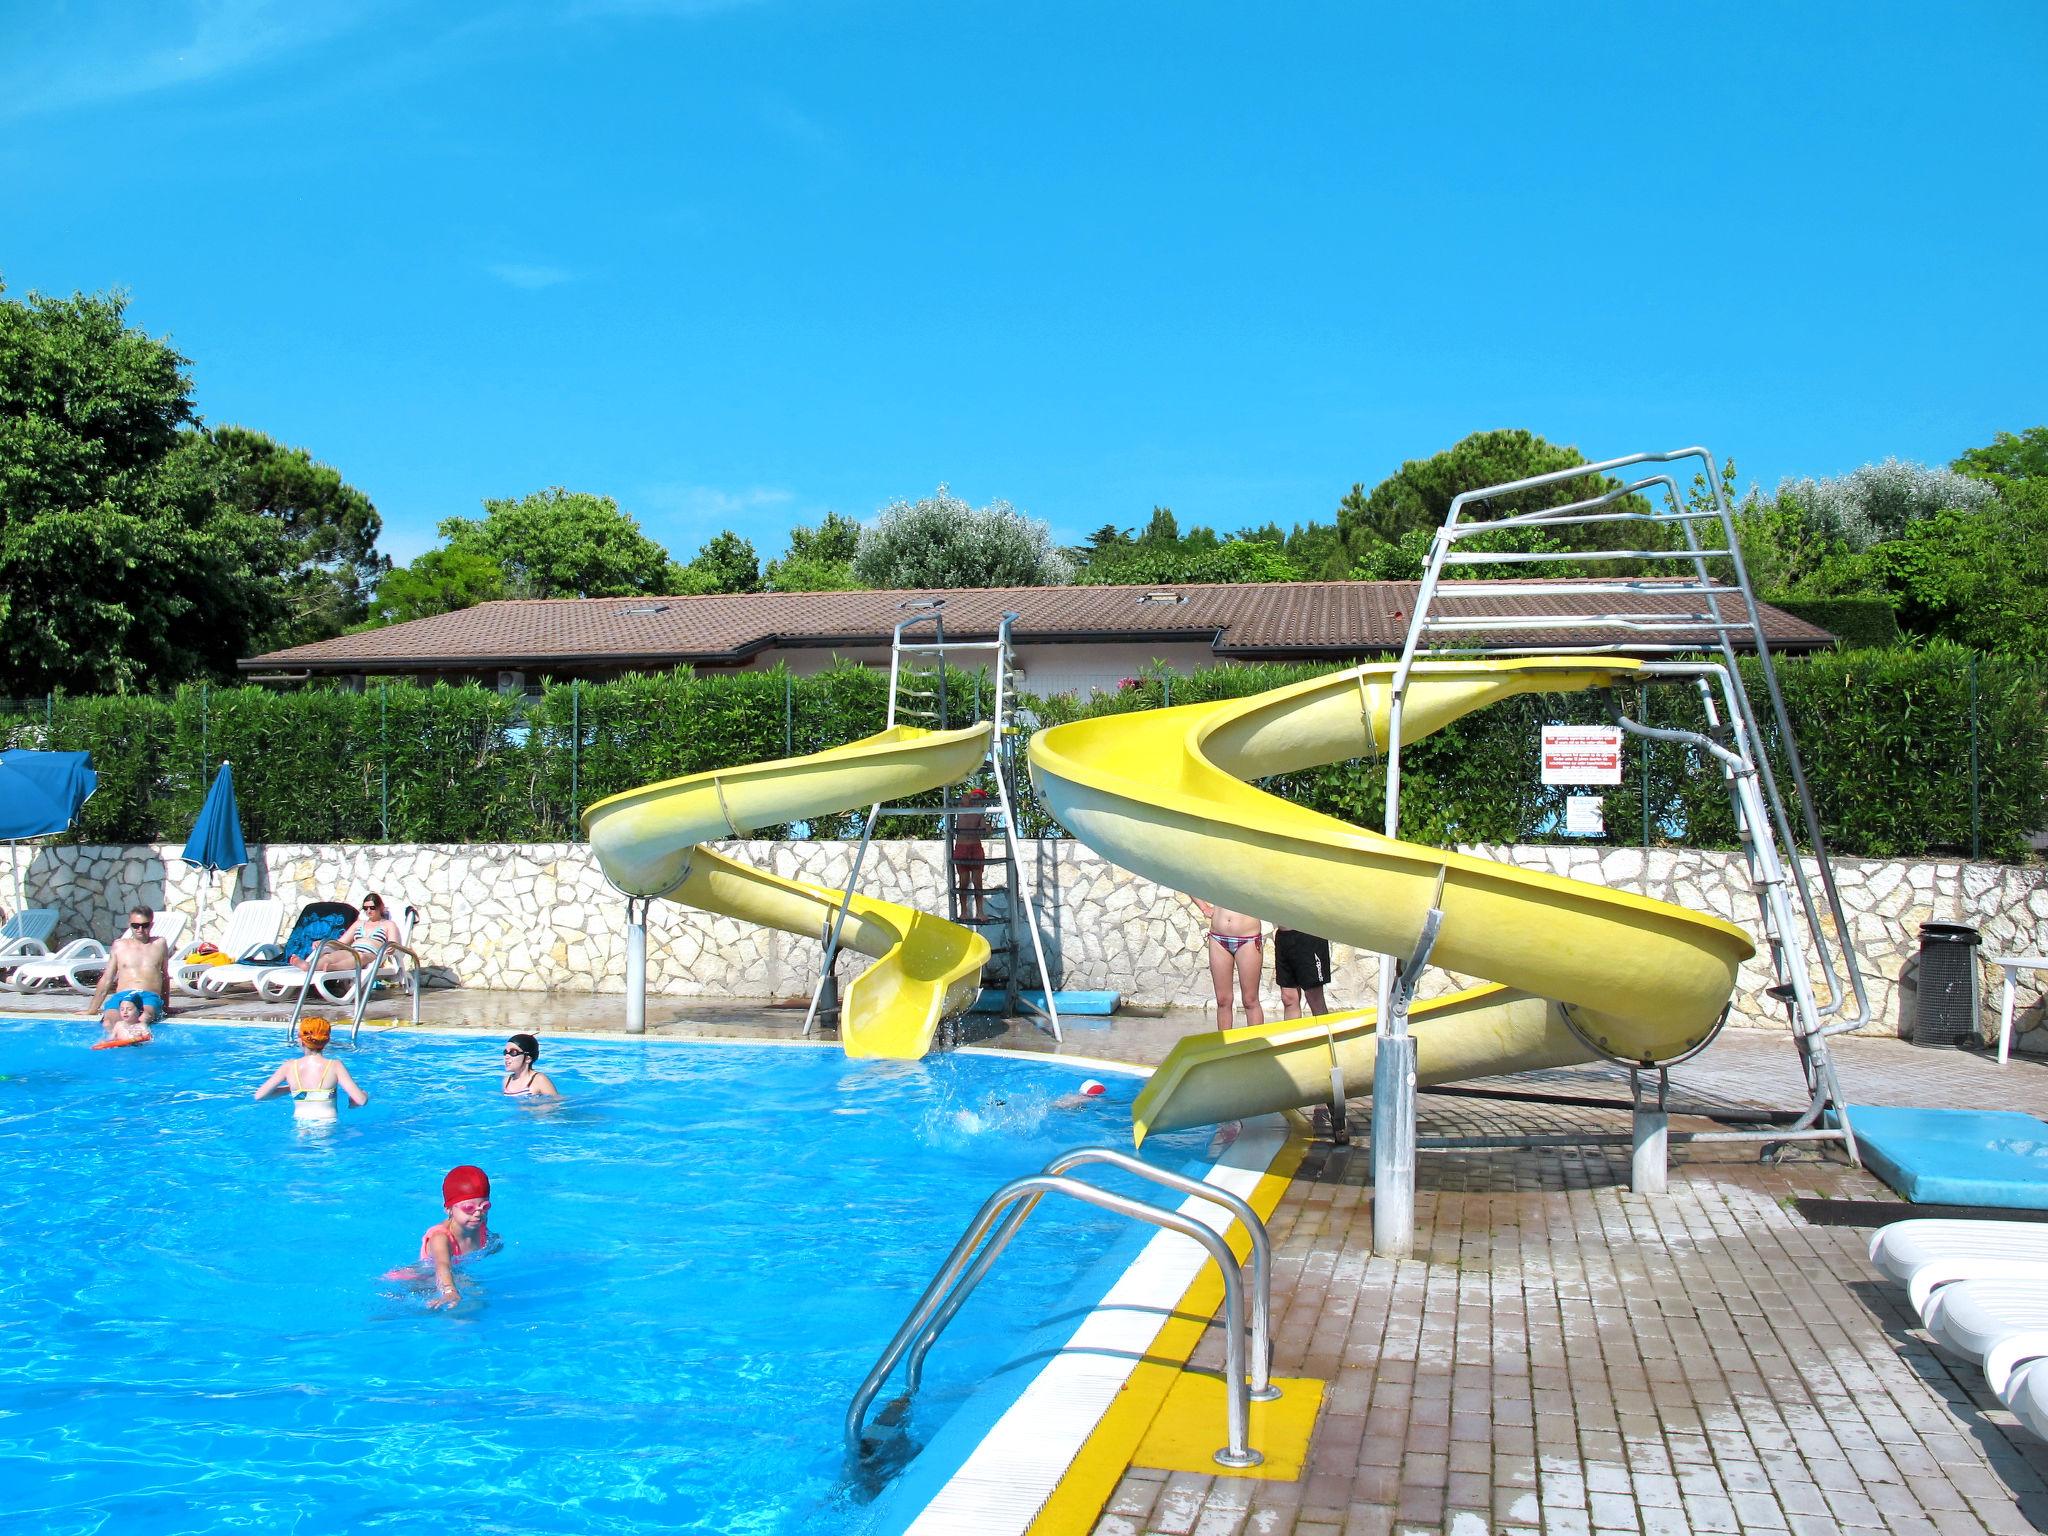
(704, 1249)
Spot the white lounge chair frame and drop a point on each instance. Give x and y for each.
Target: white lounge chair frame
(78, 966)
(250, 923)
(26, 936)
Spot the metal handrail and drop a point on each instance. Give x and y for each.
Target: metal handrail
(1237, 1400)
(1262, 1388)
(361, 1001)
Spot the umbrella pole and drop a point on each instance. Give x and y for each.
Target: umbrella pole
(14, 855)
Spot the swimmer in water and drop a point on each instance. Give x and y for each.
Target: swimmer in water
(523, 1077)
(312, 1079)
(1089, 1089)
(126, 1025)
(466, 1196)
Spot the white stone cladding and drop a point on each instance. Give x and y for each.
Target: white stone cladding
(540, 916)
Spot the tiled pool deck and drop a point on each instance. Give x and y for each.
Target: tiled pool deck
(1562, 1355)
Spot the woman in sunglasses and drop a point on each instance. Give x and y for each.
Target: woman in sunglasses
(523, 1076)
(358, 941)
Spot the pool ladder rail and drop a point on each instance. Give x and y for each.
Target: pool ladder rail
(364, 968)
(1248, 1360)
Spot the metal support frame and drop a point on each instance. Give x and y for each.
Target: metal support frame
(1690, 614)
(931, 706)
(636, 963)
(1393, 1095)
(1248, 1360)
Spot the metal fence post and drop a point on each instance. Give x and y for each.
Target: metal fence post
(788, 715)
(1649, 758)
(575, 751)
(202, 731)
(1976, 778)
(384, 760)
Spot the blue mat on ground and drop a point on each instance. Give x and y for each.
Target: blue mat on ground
(1099, 1004)
(1956, 1156)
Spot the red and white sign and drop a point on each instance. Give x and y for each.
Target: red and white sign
(1582, 754)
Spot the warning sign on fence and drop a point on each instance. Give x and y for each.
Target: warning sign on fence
(1582, 754)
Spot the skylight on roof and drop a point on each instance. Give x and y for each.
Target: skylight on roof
(1162, 597)
(647, 610)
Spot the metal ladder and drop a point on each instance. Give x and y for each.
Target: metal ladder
(920, 694)
(1247, 1319)
(1666, 617)
(365, 969)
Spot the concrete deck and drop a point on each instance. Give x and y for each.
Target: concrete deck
(1561, 1355)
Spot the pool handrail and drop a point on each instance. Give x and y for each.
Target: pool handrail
(1237, 1398)
(1262, 1389)
(372, 965)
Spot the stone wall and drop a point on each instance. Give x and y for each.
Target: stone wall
(540, 917)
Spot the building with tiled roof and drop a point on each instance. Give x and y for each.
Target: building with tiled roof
(1067, 639)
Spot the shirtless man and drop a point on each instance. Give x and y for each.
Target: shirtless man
(1236, 954)
(138, 966)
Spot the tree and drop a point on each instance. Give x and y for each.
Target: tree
(1418, 496)
(1881, 501)
(818, 559)
(324, 564)
(1151, 562)
(439, 581)
(113, 574)
(726, 563)
(943, 542)
(561, 543)
(2007, 457)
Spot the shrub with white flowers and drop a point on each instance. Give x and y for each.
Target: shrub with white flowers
(941, 541)
(1879, 501)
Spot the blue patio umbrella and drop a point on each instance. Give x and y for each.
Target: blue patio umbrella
(216, 841)
(40, 793)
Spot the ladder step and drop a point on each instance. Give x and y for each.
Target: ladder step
(1551, 557)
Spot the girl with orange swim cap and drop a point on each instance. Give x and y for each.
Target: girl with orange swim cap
(312, 1079)
(466, 1196)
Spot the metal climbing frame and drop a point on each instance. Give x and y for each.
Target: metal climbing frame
(1247, 1319)
(1650, 615)
(920, 694)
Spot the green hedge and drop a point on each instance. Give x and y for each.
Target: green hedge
(1886, 736)
(1860, 623)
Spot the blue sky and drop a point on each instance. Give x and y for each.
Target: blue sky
(740, 263)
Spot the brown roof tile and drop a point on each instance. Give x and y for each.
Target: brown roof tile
(1271, 620)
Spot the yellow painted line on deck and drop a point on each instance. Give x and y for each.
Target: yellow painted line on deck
(1110, 1451)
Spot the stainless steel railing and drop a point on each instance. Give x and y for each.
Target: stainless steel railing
(1247, 1362)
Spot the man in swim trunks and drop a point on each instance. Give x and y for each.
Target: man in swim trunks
(1301, 965)
(138, 966)
(1236, 957)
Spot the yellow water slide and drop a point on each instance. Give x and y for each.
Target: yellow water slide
(649, 842)
(1572, 967)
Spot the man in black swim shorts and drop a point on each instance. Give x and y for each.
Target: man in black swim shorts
(1301, 965)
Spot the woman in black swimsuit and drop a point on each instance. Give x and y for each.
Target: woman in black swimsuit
(523, 1076)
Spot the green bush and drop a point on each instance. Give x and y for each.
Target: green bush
(1885, 735)
(1860, 623)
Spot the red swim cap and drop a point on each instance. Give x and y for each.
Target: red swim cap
(468, 1182)
(1093, 1089)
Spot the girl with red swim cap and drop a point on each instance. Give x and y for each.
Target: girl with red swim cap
(466, 1195)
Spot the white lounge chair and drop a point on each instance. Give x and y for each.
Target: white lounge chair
(78, 966)
(285, 982)
(1927, 1252)
(26, 936)
(220, 980)
(1971, 1317)
(250, 923)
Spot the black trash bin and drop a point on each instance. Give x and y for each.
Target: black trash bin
(1946, 1013)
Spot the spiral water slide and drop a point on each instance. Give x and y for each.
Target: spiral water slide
(649, 842)
(1573, 971)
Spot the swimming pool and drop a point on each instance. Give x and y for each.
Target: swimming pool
(705, 1247)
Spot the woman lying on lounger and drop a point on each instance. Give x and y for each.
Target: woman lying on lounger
(358, 941)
